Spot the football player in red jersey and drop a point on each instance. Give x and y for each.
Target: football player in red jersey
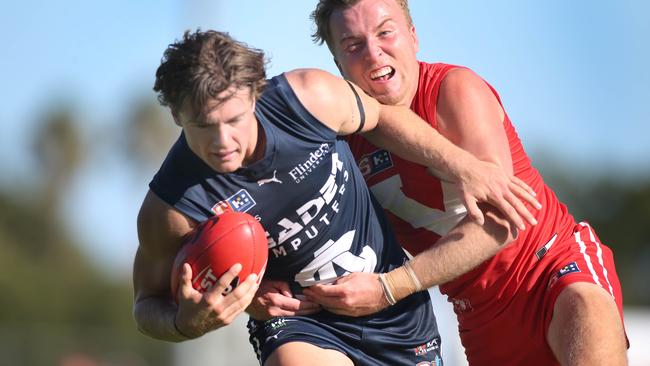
(546, 295)
(241, 132)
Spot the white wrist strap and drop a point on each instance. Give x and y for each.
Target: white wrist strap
(414, 278)
(384, 286)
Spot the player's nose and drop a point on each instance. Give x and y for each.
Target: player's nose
(221, 138)
(373, 50)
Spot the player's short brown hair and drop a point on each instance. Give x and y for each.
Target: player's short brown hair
(203, 65)
(323, 12)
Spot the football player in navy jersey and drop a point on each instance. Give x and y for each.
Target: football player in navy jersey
(271, 148)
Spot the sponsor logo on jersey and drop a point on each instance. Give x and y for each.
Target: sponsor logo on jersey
(312, 217)
(276, 323)
(336, 259)
(275, 336)
(273, 179)
(241, 201)
(569, 268)
(423, 349)
(375, 162)
(302, 170)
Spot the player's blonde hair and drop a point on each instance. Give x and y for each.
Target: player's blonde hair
(321, 17)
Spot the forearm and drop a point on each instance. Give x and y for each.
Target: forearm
(405, 134)
(461, 250)
(464, 248)
(155, 318)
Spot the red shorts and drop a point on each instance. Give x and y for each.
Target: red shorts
(511, 330)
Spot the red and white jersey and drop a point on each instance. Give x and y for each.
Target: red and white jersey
(505, 305)
(422, 208)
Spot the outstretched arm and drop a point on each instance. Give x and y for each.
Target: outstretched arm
(404, 133)
(466, 246)
(331, 100)
(471, 116)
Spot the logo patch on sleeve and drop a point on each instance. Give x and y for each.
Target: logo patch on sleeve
(241, 201)
(375, 162)
(569, 268)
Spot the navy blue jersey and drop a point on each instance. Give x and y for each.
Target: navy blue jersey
(321, 223)
(306, 191)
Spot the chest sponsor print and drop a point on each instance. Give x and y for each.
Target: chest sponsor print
(241, 201)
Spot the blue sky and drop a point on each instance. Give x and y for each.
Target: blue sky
(573, 77)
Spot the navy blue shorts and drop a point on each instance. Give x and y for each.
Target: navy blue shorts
(404, 334)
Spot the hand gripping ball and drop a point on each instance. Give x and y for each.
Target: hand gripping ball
(216, 245)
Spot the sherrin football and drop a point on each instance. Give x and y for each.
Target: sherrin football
(216, 245)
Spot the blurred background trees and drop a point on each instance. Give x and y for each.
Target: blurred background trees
(58, 308)
(67, 201)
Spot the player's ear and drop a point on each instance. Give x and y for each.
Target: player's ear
(414, 36)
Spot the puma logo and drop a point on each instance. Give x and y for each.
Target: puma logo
(275, 336)
(262, 182)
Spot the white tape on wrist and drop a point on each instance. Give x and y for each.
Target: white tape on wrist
(384, 286)
(414, 278)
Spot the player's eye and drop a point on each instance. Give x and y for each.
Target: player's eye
(353, 46)
(234, 121)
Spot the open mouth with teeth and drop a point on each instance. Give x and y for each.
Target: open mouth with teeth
(382, 74)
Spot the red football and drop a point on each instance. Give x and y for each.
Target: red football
(216, 245)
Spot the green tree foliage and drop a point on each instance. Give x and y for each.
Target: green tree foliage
(60, 151)
(55, 305)
(150, 131)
